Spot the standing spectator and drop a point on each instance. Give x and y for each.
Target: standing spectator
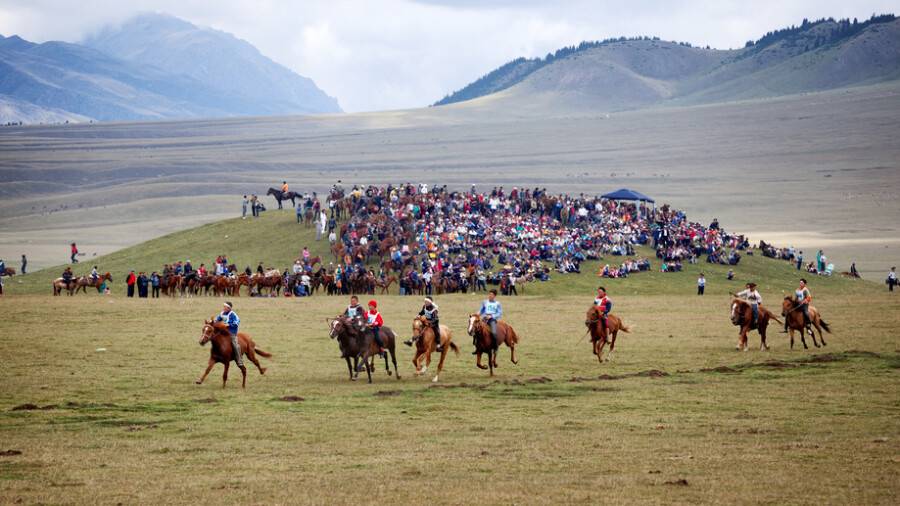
(130, 281)
(154, 282)
(820, 261)
(892, 279)
(299, 209)
(799, 259)
(244, 204)
(142, 282)
(24, 263)
(321, 224)
(254, 206)
(74, 253)
(512, 284)
(701, 284)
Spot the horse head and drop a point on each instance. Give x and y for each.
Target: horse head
(787, 305)
(592, 316)
(737, 307)
(335, 326)
(208, 331)
(474, 323)
(108, 277)
(420, 323)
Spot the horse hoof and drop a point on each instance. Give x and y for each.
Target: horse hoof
(198, 382)
(515, 362)
(480, 366)
(434, 380)
(263, 370)
(389, 373)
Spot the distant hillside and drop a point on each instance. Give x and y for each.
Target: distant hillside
(59, 81)
(624, 73)
(217, 59)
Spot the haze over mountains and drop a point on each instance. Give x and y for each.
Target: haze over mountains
(152, 67)
(619, 74)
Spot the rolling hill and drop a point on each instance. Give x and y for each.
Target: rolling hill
(59, 81)
(619, 74)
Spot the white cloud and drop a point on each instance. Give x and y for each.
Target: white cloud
(390, 54)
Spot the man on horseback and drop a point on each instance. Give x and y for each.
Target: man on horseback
(375, 322)
(354, 310)
(491, 311)
(802, 298)
(231, 319)
(752, 296)
(430, 312)
(284, 187)
(94, 275)
(605, 304)
(67, 277)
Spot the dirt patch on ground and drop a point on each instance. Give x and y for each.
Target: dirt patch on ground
(33, 407)
(138, 428)
(387, 393)
(10, 453)
(208, 400)
(651, 373)
(291, 398)
(678, 483)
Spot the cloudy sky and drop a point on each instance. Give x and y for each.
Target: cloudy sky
(391, 54)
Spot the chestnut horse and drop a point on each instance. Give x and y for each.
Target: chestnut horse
(358, 342)
(794, 318)
(600, 334)
(59, 285)
(423, 335)
(222, 352)
(385, 285)
(9, 271)
(742, 316)
(480, 331)
(85, 281)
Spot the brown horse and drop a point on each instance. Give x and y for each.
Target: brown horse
(85, 281)
(484, 342)
(794, 318)
(271, 280)
(602, 334)
(222, 352)
(9, 271)
(171, 284)
(385, 285)
(423, 335)
(742, 316)
(357, 342)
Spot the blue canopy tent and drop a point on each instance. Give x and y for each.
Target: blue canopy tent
(626, 194)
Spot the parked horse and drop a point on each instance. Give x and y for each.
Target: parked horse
(794, 317)
(59, 285)
(426, 344)
(222, 351)
(356, 342)
(480, 331)
(742, 316)
(603, 334)
(280, 195)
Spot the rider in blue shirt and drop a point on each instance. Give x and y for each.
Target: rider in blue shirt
(491, 311)
(231, 319)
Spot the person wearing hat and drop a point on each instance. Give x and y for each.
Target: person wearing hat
(375, 322)
(430, 312)
(752, 296)
(231, 319)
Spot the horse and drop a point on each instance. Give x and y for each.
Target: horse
(356, 342)
(423, 335)
(480, 331)
(280, 195)
(85, 281)
(308, 217)
(742, 316)
(9, 271)
(171, 284)
(271, 280)
(221, 351)
(385, 284)
(602, 334)
(794, 318)
(59, 285)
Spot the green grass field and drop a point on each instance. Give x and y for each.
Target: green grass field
(678, 416)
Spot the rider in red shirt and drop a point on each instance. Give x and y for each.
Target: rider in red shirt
(375, 322)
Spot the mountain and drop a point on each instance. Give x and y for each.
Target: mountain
(618, 74)
(216, 59)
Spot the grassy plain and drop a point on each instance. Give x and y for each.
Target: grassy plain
(127, 425)
(115, 416)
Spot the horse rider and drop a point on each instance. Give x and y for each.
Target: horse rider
(802, 298)
(94, 275)
(892, 279)
(492, 311)
(189, 271)
(752, 296)
(231, 319)
(430, 312)
(3, 267)
(284, 187)
(354, 310)
(67, 277)
(375, 322)
(605, 304)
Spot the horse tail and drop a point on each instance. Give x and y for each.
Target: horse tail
(625, 329)
(262, 352)
(454, 347)
(824, 325)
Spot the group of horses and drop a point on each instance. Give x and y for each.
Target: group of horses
(79, 284)
(742, 317)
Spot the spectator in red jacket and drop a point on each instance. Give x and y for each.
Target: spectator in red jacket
(375, 322)
(130, 281)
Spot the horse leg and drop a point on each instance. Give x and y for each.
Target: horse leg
(763, 346)
(440, 366)
(394, 360)
(368, 367)
(225, 373)
(251, 354)
(813, 333)
(512, 354)
(416, 361)
(612, 344)
(803, 338)
(209, 367)
(243, 376)
(821, 335)
(491, 358)
(349, 367)
(478, 360)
